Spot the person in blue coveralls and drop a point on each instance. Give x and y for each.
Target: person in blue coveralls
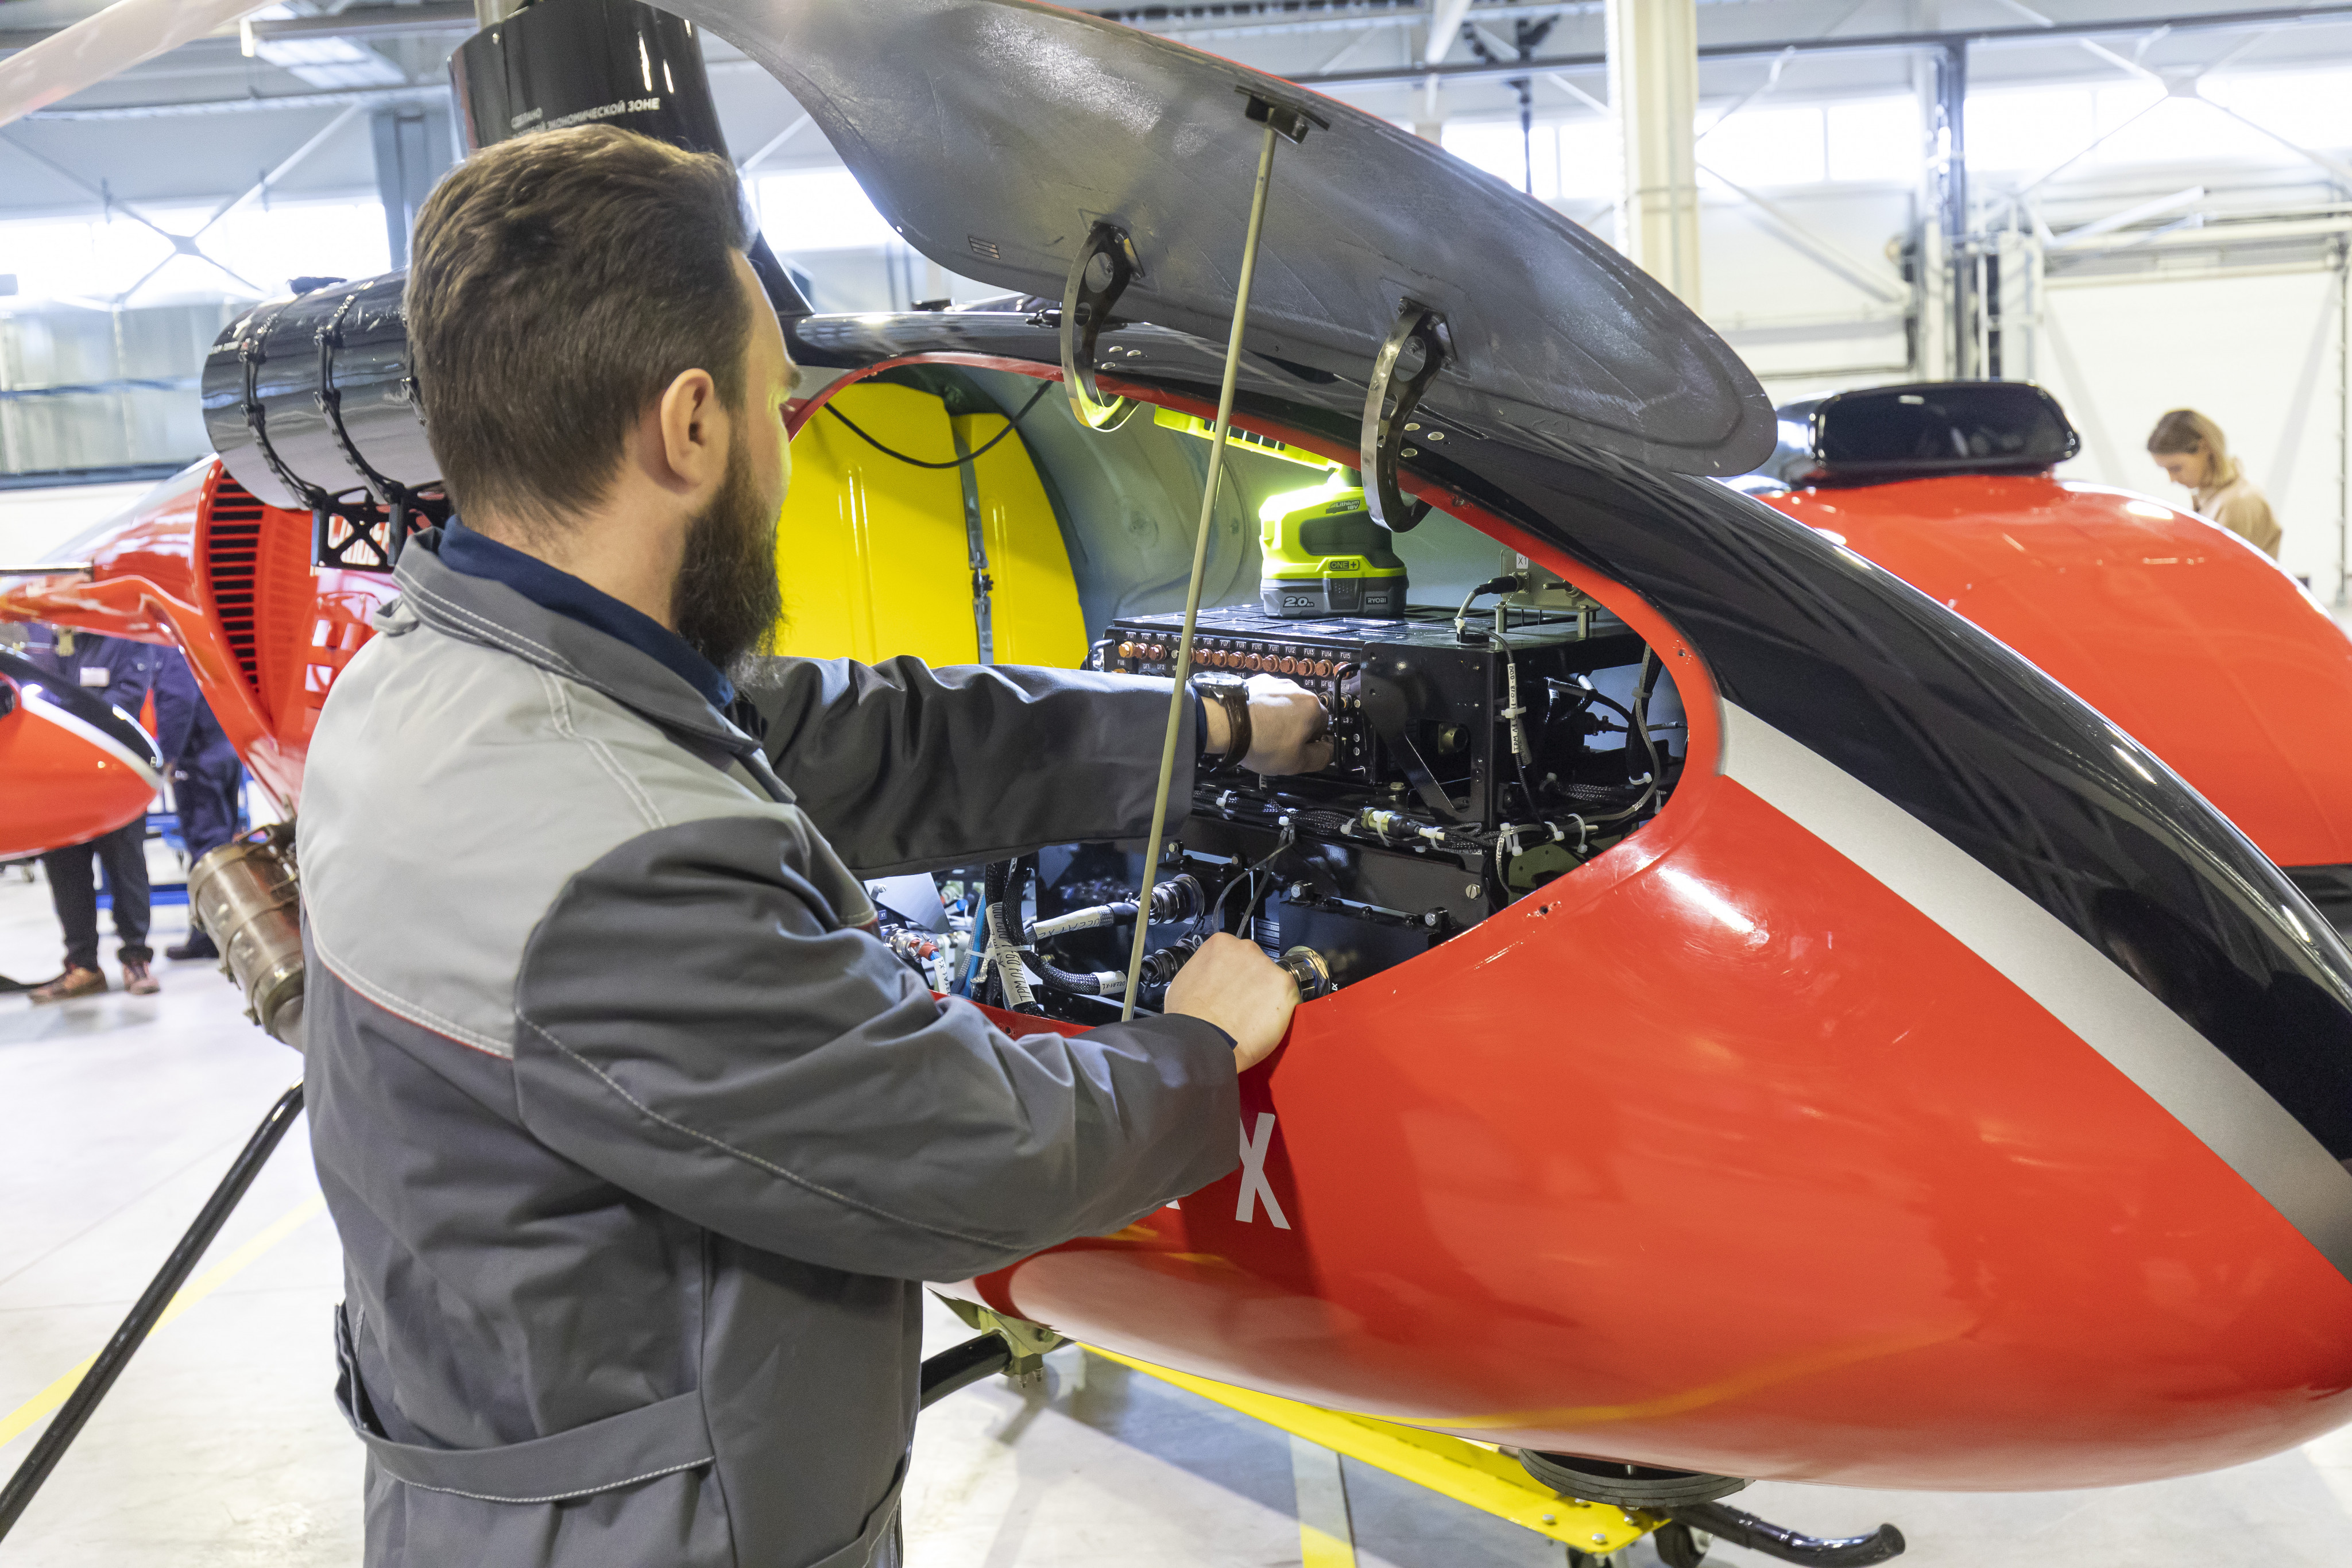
(205, 775)
(118, 673)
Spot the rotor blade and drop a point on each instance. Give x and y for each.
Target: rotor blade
(99, 47)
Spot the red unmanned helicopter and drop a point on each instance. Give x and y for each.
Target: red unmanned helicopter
(1773, 1031)
(74, 766)
(2172, 626)
(202, 565)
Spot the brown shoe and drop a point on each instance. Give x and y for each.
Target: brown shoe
(75, 982)
(136, 980)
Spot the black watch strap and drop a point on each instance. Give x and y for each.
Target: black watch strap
(1234, 698)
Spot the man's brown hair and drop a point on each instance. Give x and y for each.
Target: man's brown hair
(560, 282)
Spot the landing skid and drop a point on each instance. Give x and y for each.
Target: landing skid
(1692, 1516)
(1683, 1542)
(1678, 1509)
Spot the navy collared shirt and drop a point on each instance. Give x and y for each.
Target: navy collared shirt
(478, 555)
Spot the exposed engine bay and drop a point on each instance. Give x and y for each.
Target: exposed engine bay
(1480, 753)
(1494, 726)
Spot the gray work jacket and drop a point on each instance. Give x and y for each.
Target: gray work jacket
(636, 1143)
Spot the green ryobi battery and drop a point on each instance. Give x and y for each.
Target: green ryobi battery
(1325, 556)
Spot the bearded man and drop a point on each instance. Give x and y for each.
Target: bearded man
(637, 1139)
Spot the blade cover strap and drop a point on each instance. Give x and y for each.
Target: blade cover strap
(251, 359)
(389, 502)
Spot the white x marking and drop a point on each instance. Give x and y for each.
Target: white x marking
(1253, 1184)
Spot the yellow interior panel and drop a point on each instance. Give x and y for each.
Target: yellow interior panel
(1035, 608)
(875, 554)
(873, 550)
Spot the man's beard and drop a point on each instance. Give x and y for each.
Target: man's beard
(727, 598)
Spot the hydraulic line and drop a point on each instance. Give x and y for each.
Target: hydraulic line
(1171, 899)
(1174, 899)
(1091, 919)
(1177, 697)
(1006, 883)
(1158, 968)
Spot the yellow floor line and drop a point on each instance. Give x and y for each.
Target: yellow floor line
(1319, 1549)
(14, 1423)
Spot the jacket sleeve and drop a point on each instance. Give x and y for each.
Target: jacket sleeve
(905, 768)
(177, 702)
(693, 1026)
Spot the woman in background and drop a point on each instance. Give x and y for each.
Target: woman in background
(2190, 448)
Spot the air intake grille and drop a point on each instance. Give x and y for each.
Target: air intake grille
(233, 566)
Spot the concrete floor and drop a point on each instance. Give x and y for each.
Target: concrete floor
(221, 1446)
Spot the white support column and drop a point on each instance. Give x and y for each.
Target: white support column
(1445, 24)
(1931, 337)
(1653, 88)
(2342, 596)
(1429, 123)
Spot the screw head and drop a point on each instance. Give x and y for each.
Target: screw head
(1473, 891)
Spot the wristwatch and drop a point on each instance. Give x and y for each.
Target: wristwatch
(1234, 696)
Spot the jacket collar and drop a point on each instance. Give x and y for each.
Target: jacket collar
(484, 611)
(550, 588)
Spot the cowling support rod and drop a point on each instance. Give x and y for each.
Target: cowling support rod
(1278, 119)
(79, 1407)
(960, 1365)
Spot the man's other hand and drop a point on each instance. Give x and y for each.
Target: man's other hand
(1290, 731)
(1229, 983)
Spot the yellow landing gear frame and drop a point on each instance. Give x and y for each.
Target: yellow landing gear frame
(1486, 1478)
(1478, 1474)
(1492, 1481)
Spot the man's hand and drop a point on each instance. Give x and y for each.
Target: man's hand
(1233, 985)
(1290, 731)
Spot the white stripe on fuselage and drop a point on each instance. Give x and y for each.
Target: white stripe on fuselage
(2080, 985)
(40, 706)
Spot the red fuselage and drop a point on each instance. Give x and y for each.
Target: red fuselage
(204, 566)
(1721, 1153)
(73, 767)
(1722, 1156)
(2184, 635)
